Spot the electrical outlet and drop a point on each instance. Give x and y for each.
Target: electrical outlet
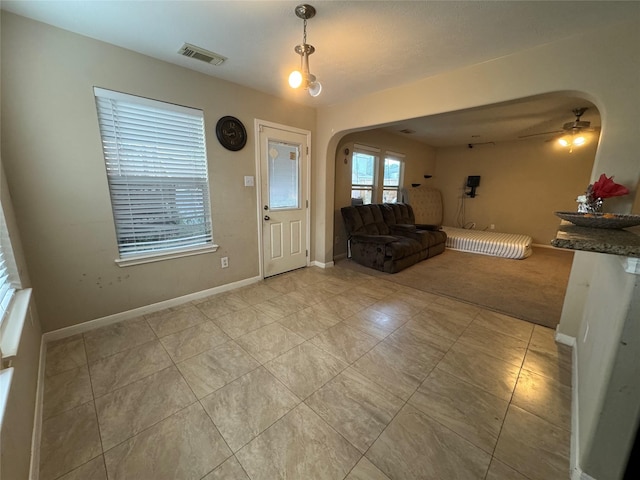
(224, 262)
(492, 227)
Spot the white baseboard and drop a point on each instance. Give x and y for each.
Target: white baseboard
(316, 263)
(578, 474)
(565, 339)
(574, 459)
(36, 435)
(136, 312)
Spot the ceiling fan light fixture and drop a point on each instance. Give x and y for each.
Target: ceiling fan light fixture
(572, 140)
(579, 140)
(303, 77)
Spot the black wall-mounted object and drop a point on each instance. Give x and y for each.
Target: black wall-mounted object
(231, 133)
(473, 181)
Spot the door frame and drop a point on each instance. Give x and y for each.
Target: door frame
(258, 124)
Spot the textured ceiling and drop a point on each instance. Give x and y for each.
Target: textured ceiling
(540, 117)
(361, 46)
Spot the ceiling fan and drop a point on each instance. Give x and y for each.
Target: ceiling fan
(569, 128)
(572, 133)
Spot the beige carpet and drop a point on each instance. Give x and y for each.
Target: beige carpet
(532, 289)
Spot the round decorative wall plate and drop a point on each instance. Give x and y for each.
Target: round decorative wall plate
(231, 133)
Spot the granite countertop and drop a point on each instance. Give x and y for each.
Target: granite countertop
(601, 240)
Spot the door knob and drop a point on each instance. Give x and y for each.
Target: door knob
(266, 207)
(267, 217)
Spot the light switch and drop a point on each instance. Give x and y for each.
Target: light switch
(248, 181)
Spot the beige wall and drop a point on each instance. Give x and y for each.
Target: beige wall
(522, 183)
(55, 167)
(419, 160)
(603, 68)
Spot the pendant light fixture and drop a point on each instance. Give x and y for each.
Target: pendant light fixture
(304, 78)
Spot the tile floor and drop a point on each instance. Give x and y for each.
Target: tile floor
(315, 374)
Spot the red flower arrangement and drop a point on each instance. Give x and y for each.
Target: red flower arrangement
(605, 187)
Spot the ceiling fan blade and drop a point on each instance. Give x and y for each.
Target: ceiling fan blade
(540, 133)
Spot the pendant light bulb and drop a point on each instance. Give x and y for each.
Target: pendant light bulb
(295, 79)
(563, 141)
(579, 141)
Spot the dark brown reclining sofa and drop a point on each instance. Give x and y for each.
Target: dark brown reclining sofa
(386, 237)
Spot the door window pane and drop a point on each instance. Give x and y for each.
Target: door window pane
(284, 175)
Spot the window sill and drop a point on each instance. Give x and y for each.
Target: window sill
(14, 323)
(138, 260)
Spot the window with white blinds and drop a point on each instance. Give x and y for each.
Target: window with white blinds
(157, 171)
(8, 272)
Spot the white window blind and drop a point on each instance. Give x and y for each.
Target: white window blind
(157, 171)
(8, 271)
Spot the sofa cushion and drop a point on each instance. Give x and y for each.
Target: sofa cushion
(403, 247)
(397, 213)
(422, 236)
(364, 219)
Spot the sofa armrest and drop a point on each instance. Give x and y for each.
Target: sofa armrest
(377, 239)
(424, 226)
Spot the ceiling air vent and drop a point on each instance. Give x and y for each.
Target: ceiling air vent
(201, 54)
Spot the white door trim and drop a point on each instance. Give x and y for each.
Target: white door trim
(258, 124)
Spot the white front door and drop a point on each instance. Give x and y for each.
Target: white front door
(284, 165)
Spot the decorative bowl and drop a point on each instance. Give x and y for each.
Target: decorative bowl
(600, 220)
